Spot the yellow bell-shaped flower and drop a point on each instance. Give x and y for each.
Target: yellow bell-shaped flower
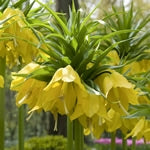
(59, 95)
(18, 38)
(88, 104)
(29, 91)
(118, 91)
(18, 80)
(128, 124)
(138, 130)
(114, 121)
(94, 125)
(141, 129)
(137, 67)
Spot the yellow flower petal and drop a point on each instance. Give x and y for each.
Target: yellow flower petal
(87, 131)
(60, 96)
(119, 92)
(115, 121)
(90, 102)
(120, 98)
(147, 135)
(1, 82)
(30, 93)
(60, 92)
(20, 45)
(146, 132)
(78, 112)
(138, 129)
(29, 90)
(128, 124)
(17, 81)
(66, 74)
(106, 81)
(137, 67)
(98, 126)
(114, 57)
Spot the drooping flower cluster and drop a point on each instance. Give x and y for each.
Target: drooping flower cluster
(79, 79)
(66, 94)
(17, 40)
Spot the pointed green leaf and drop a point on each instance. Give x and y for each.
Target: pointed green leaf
(61, 23)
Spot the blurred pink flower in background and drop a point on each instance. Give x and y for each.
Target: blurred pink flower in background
(119, 141)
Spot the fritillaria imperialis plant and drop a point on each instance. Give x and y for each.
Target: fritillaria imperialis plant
(16, 41)
(73, 76)
(79, 72)
(134, 54)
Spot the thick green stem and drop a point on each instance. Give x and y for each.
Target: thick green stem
(69, 134)
(21, 128)
(82, 137)
(113, 141)
(133, 144)
(124, 143)
(78, 135)
(2, 105)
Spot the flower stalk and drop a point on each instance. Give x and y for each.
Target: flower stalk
(21, 128)
(78, 135)
(133, 144)
(124, 143)
(2, 105)
(69, 134)
(113, 141)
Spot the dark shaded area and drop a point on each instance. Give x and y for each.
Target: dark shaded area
(63, 6)
(61, 126)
